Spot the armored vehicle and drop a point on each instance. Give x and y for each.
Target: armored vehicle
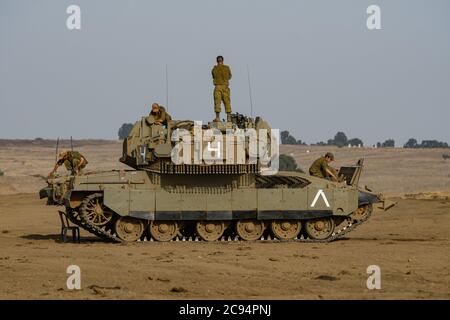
(183, 188)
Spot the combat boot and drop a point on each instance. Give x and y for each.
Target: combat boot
(217, 118)
(228, 117)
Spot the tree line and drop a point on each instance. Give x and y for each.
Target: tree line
(340, 140)
(412, 143)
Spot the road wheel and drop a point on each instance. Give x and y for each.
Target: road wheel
(250, 230)
(164, 230)
(286, 229)
(129, 229)
(319, 229)
(210, 230)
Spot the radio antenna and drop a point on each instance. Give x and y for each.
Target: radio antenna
(71, 144)
(250, 91)
(56, 151)
(167, 88)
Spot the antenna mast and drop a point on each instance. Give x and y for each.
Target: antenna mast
(56, 151)
(250, 91)
(167, 89)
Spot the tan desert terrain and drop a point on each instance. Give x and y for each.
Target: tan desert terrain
(394, 172)
(410, 243)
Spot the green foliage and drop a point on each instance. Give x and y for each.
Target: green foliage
(355, 142)
(286, 138)
(446, 156)
(433, 144)
(1, 173)
(125, 130)
(288, 163)
(340, 140)
(412, 143)
(390, 143)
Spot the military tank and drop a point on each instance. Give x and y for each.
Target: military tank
(186, 183)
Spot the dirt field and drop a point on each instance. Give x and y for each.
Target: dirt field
(410, 243)
(24, 164)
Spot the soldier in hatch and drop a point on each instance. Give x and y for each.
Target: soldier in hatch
(321, 168)
(72, 160)
(221, 74)
(158, 115)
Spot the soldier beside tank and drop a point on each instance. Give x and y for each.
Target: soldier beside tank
(321, 168)
(221, 75)
(72, 160)
(158, 115)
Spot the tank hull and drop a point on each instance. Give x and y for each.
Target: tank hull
(231, 203)
(158, 197)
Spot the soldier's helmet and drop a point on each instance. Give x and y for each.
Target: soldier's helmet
(63, 153)
(329, 155)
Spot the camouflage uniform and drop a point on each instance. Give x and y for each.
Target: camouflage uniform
(72, 160)
(318, 168)
(221, 74)
(160, 116)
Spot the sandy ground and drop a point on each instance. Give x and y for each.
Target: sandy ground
(410, 244)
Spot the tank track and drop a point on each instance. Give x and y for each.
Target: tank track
(107, 233)
(103, 233)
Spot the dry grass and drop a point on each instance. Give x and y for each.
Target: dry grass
(26, 165)
(391, 171)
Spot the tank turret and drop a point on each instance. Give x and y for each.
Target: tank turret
(243, 145)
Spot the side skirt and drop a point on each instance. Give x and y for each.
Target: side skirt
(229, 215)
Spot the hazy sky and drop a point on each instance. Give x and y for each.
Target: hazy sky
(315, 67)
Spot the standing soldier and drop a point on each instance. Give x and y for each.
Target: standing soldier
(72, 160)
(221, 74)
